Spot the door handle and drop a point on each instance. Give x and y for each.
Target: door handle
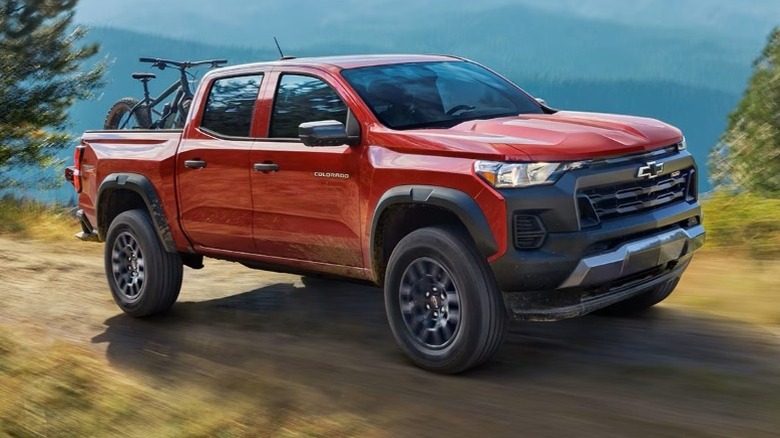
(195, 164)
(266, 167)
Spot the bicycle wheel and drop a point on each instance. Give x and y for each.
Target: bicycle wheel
(184, 111)
(119, 114)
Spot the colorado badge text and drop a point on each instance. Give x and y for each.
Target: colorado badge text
(331, 175)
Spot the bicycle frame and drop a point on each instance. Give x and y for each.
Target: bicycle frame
(149, 103)
(180, 87)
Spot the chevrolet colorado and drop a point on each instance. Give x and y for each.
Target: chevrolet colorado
(468, 200)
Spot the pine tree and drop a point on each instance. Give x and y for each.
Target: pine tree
(41, 76)
(749, 156)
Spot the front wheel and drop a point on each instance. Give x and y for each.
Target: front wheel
(143, 277)
(119, 114)
(442, 302)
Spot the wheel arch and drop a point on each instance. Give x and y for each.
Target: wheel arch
(406, 208)
(125, 191)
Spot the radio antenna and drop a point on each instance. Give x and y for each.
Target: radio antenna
(281, 54)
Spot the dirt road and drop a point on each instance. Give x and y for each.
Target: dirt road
(252, 334)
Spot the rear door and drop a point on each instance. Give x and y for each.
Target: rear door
(213, 166)
(305, 198)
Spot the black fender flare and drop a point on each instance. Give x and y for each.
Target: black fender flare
(456, 201)
(145, 189)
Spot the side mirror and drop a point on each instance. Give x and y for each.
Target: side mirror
(324, 133)
(541, 101)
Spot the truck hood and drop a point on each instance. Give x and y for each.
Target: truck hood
(563, 136)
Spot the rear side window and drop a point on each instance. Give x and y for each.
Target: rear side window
(230, 105)
(301, 99)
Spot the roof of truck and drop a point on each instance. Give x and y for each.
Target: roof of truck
(346, 61)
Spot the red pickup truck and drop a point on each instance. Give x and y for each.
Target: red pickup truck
(468, 200)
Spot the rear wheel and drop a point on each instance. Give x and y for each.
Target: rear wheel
(143, 277)
(119, 114)
(184, 110)
(442, 302)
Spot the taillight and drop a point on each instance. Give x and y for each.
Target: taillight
(78, 155)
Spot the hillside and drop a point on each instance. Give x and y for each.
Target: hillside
(543, 39)
(725, 18)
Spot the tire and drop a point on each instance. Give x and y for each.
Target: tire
(638, 304)
(184, 111)
(119, 111)
(144, 278)
(442, 301)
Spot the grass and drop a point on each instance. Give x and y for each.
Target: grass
(30, 219)
(728, 286)
(743, 222)
(59, 389)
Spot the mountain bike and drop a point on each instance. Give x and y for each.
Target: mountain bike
(144, 113)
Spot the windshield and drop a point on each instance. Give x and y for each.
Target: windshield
(436, 94)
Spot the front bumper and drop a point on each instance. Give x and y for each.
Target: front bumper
(606, 279)
(635, 257)
(580, 266)
(570, 303)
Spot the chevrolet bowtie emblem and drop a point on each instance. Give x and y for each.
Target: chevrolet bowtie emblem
(650, 170)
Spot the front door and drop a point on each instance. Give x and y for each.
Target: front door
(213, 168)
(305, 198)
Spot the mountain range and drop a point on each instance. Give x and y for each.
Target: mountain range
(683, 61)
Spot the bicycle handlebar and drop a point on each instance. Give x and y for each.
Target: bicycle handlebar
(182, 65)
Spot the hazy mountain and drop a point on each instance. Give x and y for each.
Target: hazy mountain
(185, 18)
(699, 111)
(703, 43)
(682, 61)
(746, 19)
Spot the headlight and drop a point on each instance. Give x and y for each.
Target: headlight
(504, 175)
(681, 146)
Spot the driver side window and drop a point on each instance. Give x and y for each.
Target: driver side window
(301, 99)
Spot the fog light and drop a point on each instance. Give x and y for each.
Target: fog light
(529, 232)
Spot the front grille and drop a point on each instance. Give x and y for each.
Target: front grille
(617, 200)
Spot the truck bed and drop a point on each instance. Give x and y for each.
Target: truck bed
(150, 153)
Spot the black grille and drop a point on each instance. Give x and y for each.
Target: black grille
(529, 232)
(616, 200)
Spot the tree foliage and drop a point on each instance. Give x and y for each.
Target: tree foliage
(749, 154)
(41, 76)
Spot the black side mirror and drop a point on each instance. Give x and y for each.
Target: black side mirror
(325, 133)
